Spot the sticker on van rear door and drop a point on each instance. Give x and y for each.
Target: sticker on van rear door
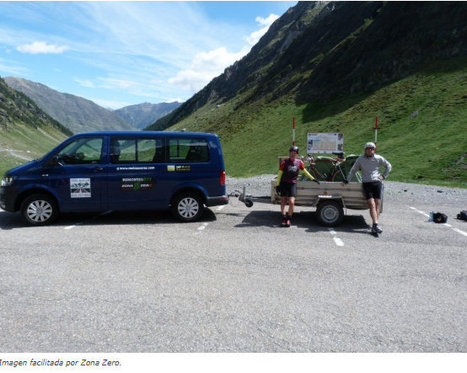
(80, 188)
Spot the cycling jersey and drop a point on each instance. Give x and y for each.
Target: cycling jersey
(290, 169)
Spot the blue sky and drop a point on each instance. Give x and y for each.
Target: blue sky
(124, 53)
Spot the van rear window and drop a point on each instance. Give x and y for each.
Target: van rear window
(188, 150)
(143, 150)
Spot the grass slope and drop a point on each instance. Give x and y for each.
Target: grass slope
(19, 143)
(422, 120)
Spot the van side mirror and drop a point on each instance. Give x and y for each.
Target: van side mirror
(55, 160)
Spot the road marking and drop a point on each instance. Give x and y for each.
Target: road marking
(459, 231)
(445, 224)
(337, 240)
(420, 212)
(202, 228)
(82, 222)
(72, 226)
(219, 208)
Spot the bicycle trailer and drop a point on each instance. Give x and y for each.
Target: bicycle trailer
(331, 199)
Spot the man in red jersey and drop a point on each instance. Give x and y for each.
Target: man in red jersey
(286, 183)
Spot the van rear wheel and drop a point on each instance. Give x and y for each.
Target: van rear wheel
(39, 209)
(187, 207)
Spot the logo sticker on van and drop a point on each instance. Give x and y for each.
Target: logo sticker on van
(138, 168)
(80, 188)
(137, 183)
(181, 168)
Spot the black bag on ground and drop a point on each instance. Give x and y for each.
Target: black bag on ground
(439, 217)
(462, 215)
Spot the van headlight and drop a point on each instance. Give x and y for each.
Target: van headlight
(7, 180)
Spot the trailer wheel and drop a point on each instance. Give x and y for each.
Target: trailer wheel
(330, 213)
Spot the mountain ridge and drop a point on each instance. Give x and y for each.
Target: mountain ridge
(319, 64)
(74, 112)
(345, 64)
(144, 114)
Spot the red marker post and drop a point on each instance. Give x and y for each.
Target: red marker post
(293, 131)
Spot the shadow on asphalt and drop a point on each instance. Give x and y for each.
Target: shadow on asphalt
(15, 220)
(303, 219)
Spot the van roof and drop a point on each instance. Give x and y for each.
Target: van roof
(145, 133)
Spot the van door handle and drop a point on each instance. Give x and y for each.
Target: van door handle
(98, 169)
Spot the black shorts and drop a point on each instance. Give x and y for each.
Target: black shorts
(288, 189)
(373, 189)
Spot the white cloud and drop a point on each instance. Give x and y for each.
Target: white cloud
(85, 83)
(108, 104)
(204, 67)
(9, 67)
(39, 47)
(111, 83)
(207, 65)
(254, 37)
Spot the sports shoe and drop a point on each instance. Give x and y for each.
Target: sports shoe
(284, 222)
(376, 229)
(287, 221)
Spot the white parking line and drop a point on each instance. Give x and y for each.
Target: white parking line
(81, 223)
(420, 212)
(72, 226)
(202, 228)
(445, 224)
(219, 208)
(459, 231)
(337, 240)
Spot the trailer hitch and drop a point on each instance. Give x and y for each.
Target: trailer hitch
(248, 199)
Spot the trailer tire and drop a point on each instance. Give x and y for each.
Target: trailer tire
(330, 213)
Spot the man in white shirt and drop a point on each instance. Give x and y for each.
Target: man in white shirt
(370, 165)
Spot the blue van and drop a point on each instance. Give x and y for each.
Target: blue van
(113, 170)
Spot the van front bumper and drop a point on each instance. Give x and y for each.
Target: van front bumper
(7, 198)
(218, 200)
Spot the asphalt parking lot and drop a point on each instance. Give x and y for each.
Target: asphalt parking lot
(235, 282)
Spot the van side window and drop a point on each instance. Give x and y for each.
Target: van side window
(144, 150)
(87, 150)
(188, 150)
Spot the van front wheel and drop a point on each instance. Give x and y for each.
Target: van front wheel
(187, 207)
(39, 209)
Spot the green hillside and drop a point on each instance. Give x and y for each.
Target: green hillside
(422, 120)
(335, 66)
(26, 132)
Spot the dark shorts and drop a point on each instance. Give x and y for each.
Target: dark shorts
(288, 189)
(373, 189)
